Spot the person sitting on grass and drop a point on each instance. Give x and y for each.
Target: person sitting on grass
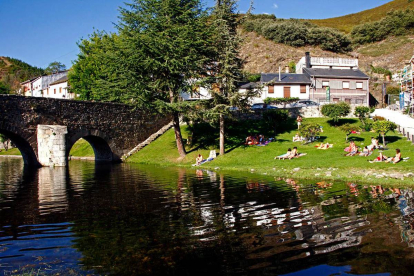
(353, 150)
(374, 143)
(297, 138)
(396, 158)
(381, 157)
(284, 156)
(199, 159)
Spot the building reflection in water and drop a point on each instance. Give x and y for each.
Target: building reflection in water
(52, 190)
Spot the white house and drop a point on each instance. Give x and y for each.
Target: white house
(59, 89)
(40, 86)
(284, 85)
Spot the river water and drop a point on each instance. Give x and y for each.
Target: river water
(126, 219)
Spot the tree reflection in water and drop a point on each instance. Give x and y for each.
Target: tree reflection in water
(144, 220)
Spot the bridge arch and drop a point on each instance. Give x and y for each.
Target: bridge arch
(26, 149)
(98, 142)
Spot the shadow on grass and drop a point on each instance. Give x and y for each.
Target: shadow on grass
(342, 121)
(356, 139)
(205, 136)
(391, 139)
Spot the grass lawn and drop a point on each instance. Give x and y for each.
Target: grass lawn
(319, 164)
(13, 151)
(82, 149)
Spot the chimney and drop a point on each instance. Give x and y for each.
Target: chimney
(279, 75)
(287, 69)
(308, 60)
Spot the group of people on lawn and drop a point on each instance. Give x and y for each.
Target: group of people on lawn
(256, 140)
(367, 151)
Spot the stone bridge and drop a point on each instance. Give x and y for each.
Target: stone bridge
(44, 129)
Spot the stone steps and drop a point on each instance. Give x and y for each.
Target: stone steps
(148, 141)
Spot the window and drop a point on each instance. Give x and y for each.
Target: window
(325, 83)
(60, 89)
(359, 85)
(54, 91)
(303, 89)
(345, 85)
(48, 91)
(271, 89)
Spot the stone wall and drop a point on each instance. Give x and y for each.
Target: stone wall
(102, 124)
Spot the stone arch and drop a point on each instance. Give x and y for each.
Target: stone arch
(27, 151)
(97, 140)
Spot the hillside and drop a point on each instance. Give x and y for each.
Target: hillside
(347, 22)
(14, 71)
(265, 56)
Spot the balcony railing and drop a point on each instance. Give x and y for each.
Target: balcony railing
(327, 61)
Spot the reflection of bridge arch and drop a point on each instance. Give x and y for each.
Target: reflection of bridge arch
(98, 142)
(26, 149)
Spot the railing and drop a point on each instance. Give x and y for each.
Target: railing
(334, 61)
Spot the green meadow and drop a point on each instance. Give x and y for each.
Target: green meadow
(316, 164)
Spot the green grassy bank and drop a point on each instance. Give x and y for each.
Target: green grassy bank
(318, 164)
(13, 151)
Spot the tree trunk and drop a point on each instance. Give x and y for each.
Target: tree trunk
(221, 134)
(178, 137)
(177, 130)
(383, 140)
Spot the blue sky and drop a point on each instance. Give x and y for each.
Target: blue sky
(42, 31)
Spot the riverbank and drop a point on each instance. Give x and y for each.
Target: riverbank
(330, 164)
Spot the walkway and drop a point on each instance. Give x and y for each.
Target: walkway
(405, 122)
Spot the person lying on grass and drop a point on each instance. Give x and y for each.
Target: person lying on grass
(381, 157)
(284, 156)
(396, 158)
(365, 152)
(324, 146)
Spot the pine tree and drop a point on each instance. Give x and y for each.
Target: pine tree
(227, 71)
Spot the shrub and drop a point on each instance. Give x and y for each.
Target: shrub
(309, 131)
(348, 129)
(362, 112)
(378, 118)
(393, 90)
(336, 111)
(298, 33)
(395, 23)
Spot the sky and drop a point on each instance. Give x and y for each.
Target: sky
(42, 31)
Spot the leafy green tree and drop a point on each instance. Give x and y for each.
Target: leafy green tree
(88, 75)
(348, 129)
(55, 67)
(362, 112)
(336, 111)
(161, 47)
(275, 118)
(382, 127)
(309, 131)
(4, 89)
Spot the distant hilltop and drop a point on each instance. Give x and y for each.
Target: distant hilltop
(347, 22)
(14, 71)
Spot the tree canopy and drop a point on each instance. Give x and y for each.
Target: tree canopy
(55, 67)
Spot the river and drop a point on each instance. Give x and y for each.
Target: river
(128, 219)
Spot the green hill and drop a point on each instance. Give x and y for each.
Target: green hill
(14, 71)
(347, 22)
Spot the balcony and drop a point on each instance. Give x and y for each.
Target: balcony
(328, 61)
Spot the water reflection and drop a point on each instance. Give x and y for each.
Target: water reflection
(128, 219)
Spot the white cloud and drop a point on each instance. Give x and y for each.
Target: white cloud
(275, 6)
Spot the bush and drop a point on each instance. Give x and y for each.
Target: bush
(393, 90)
(395, 23)
(336, 111)
(362, 112)
(298, 33)
(378, 118)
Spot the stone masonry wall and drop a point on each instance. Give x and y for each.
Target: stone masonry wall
(117, 124)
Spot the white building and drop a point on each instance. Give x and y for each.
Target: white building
(50, 86)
